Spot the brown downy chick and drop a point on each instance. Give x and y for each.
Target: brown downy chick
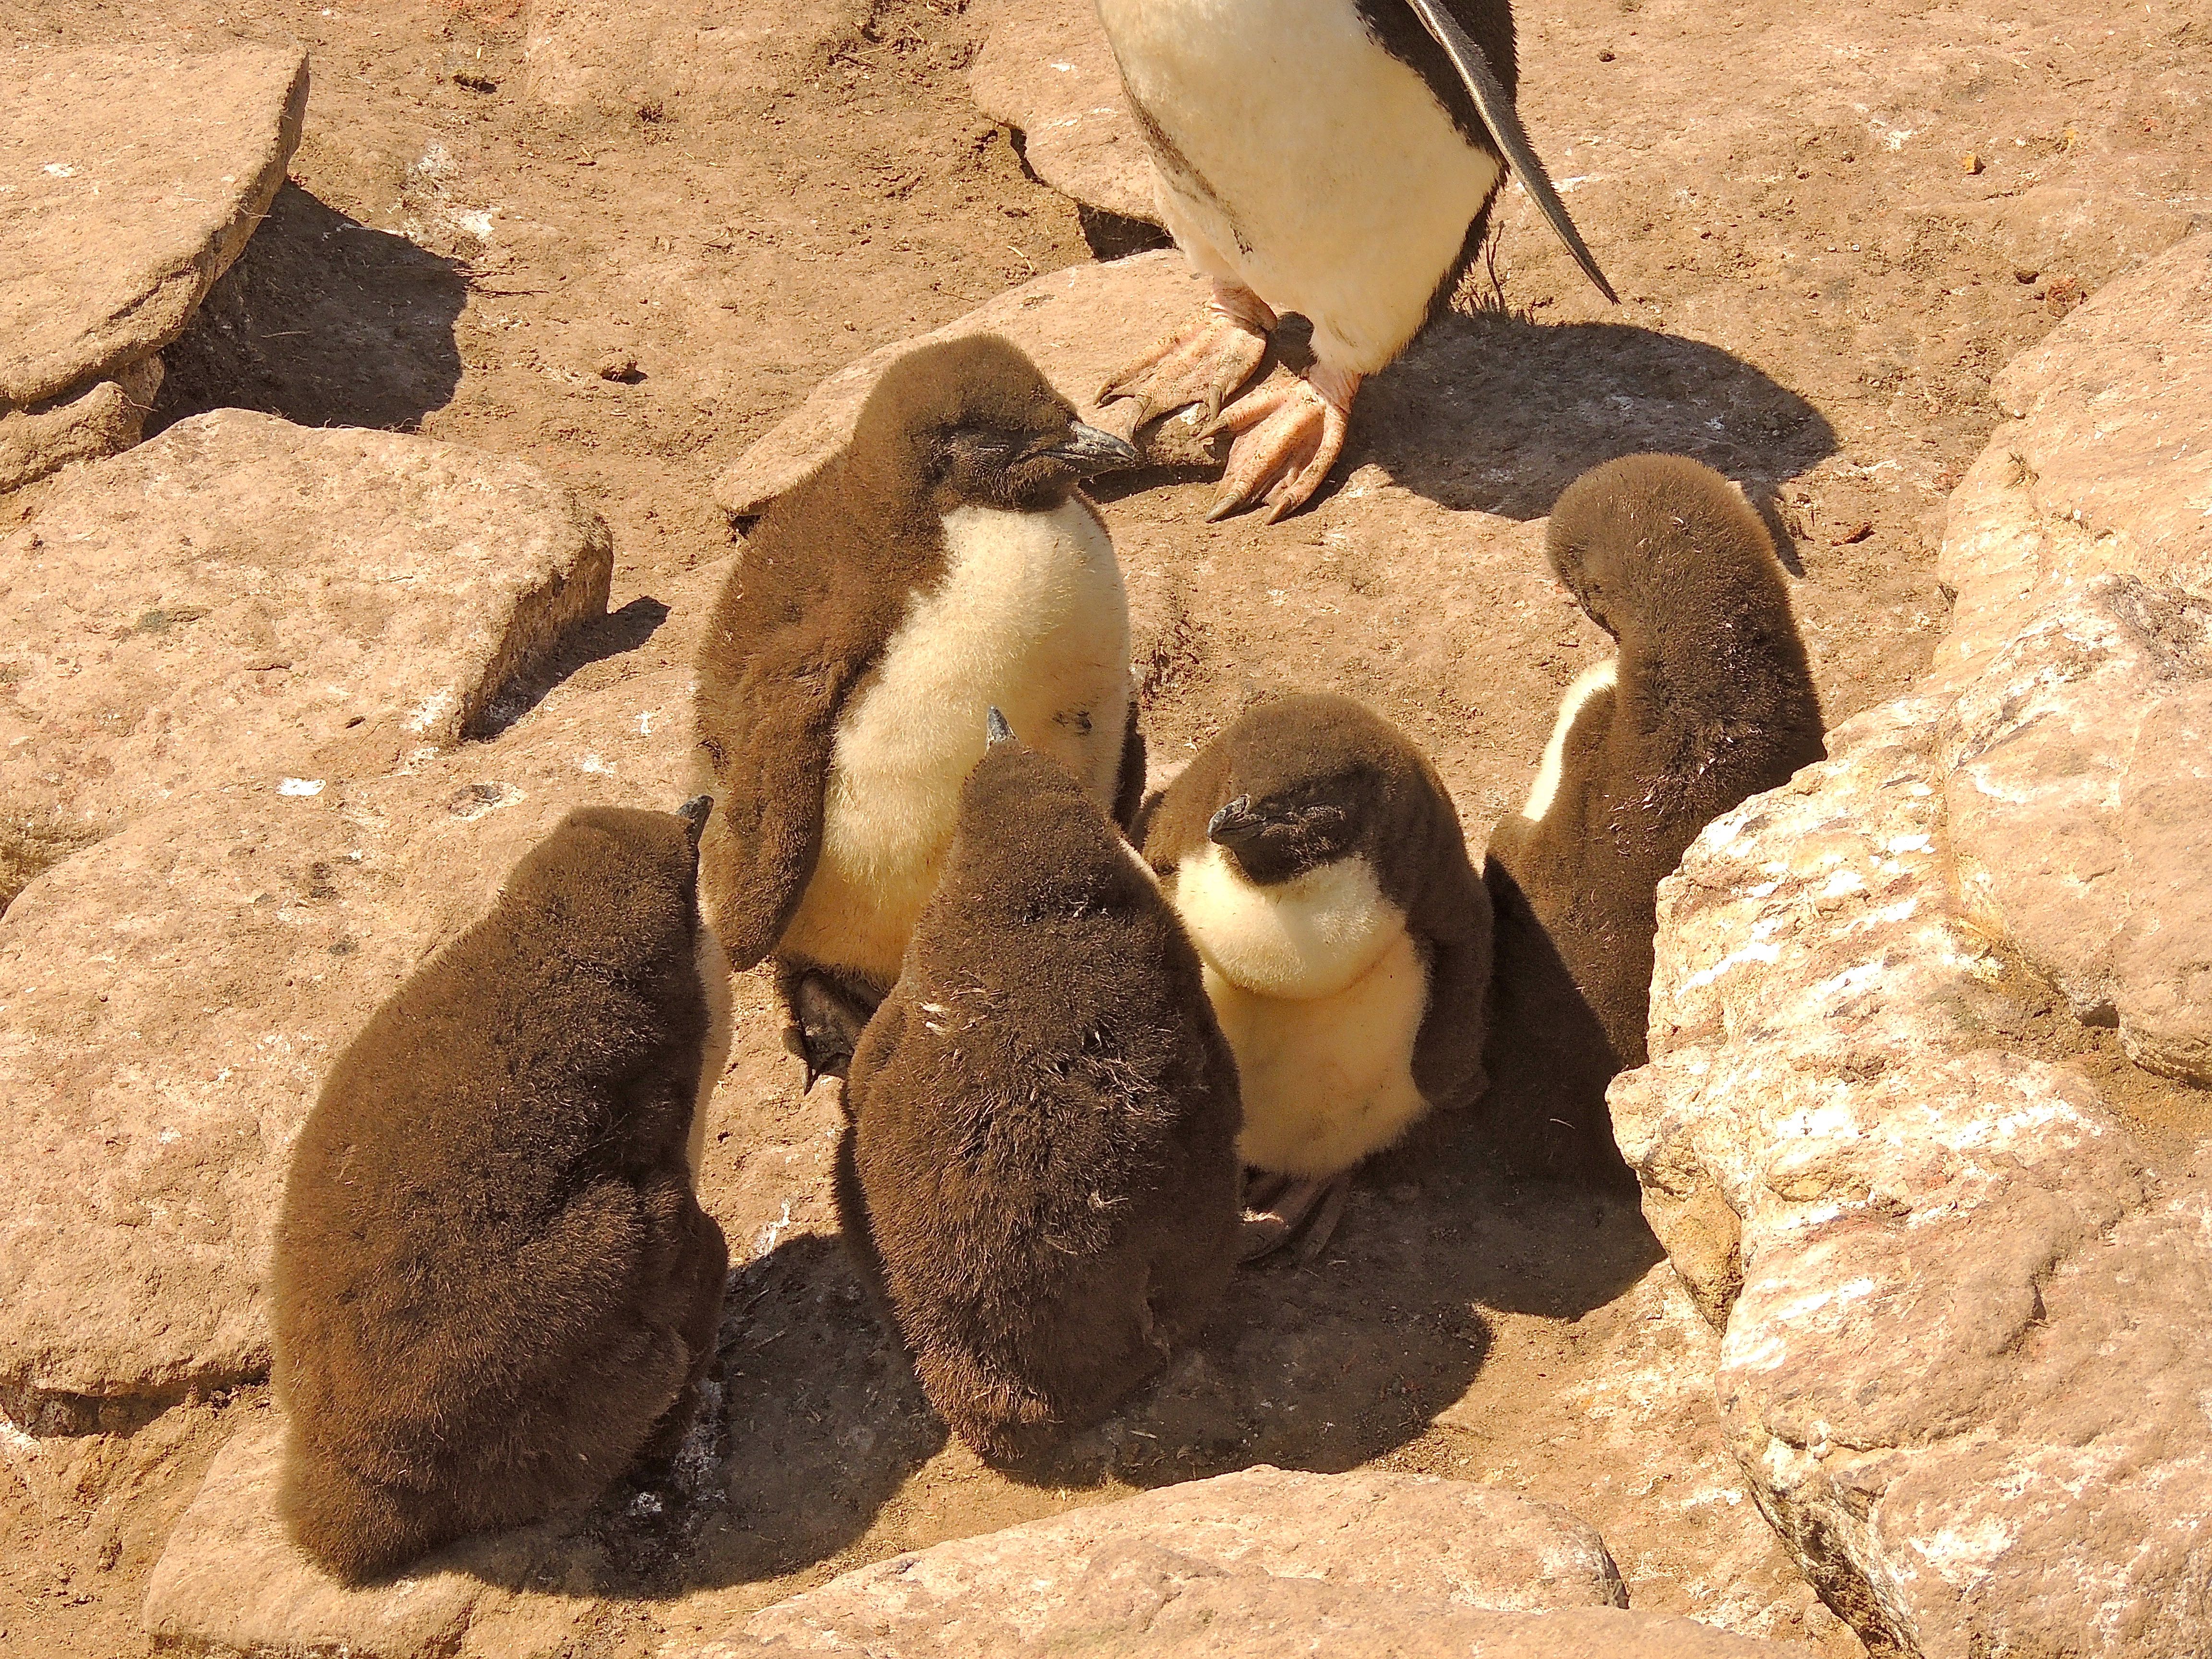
(941, 563)
(1318, 862)
(1040, 1155)
(1708, 701)
(494, 1287)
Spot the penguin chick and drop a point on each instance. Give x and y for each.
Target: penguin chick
(494, 1287)
(1707, 703)
(1040, 1154)
(941, 563)
(1317, 860)
(1335, 158)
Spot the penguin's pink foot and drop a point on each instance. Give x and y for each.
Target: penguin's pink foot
(1278, 1208)
(1289, 434)
(1204, 364)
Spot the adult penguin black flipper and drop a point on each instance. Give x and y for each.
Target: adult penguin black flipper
(1498, 115)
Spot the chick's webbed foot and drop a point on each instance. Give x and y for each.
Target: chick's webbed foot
(1279, 1209)
(1289, 434)
(1205, 363)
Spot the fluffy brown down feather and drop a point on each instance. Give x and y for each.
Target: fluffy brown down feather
(1039, 1167)
(494, 1287)
(825, 579)
(1713, 703)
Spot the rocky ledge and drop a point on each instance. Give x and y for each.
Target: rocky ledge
(1960, 1250)
(108, 244)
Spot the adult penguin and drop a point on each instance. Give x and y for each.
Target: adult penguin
(1335, 158)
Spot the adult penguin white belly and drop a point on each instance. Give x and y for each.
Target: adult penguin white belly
(1335, 158)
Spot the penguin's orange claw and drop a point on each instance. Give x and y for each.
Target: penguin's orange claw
(1212, 355)
(1289, 434)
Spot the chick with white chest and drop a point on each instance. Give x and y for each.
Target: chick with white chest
(941, 564)
(1318, 863)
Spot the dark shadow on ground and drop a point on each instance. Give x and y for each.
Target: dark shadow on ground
(1328, 1366)
(810, 1422)
(1492, 412)
(610, 636)
(324, 321)
(814, 1421)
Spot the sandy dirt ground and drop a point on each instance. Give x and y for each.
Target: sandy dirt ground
(1811, 306)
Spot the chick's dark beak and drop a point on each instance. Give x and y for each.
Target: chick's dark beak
(1235, 824)
(694, 812)
(1086, 450)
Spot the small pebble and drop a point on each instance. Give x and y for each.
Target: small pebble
(620, 365)
(1970, 164)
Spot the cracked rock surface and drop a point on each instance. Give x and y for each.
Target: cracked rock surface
(1962, 1283)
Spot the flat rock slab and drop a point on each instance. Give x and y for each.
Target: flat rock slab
(1153, 1602)
(241, 591)
(102, 418)
(1259, 1562)
(2107, 464)
(708, 57)
(132, 177)
(229, 1580)
(1047, 71)
(173, 996)
(1079, 326)
(1491, 412)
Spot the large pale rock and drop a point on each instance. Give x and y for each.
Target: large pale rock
(706, 57)
(1047, 71)
(1078, 326)
(171, 996)
(1258, 1561)
(2107, 464)
(1965, 1333)
(1965, 1344)
(1155, 1602)
(2079, 778)
(241, 591)
(134, 177)
(2079, 547)
(229, 1580)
